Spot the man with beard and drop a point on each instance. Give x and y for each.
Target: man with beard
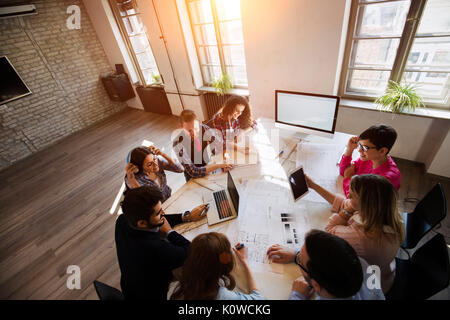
(330, 268)
(148, 249)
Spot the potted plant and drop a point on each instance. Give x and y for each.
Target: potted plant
(156, 79)
(398, 98)
(222, 85)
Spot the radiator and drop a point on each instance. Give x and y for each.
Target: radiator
(213, 102)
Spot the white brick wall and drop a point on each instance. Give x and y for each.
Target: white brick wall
(62, 69)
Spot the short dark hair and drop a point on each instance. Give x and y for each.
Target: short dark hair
(138, 156)
(187, 115)
(333, 263)
(139, 204)
(382, 136)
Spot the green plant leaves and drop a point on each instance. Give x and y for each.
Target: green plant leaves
(397, 98)
(223, 84)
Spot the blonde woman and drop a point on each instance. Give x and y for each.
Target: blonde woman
(375, 228)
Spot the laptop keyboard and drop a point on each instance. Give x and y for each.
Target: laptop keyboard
(222, 204)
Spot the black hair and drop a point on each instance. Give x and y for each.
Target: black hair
(382, 136)
(138, 156)
(138, 204)
(333, 263)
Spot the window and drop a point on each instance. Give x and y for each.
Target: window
(217, 29)
(133, 32)
(399, 40)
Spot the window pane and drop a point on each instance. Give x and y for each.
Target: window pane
(133, 25)
(382, 19)
(148, 75)
(147, 61)
(139, 43)
(367, 81)
(238, 75)
(433, 87)
(209, 55)
(231, 32)
(205, 34)
(430, 54)
(228, 9)
(200, 11)
(211, 73)
(374, 53)
(435, 18)
(234, 55)
(126, 8)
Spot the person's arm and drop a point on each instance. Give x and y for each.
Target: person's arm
(242, 256)
(347, 156)
(280, 254)
(130, 179)
(301, 290)
(166, 162)
(176, 249)
(324, 193)
(225, 294)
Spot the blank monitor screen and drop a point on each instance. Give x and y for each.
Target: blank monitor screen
(307, 110)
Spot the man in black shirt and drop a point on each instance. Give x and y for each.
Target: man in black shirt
(148, 249)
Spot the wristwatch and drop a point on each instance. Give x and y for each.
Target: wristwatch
(187, 216)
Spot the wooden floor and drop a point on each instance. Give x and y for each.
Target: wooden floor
(54, 206)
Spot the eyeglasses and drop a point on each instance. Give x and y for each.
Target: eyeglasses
(365, 148)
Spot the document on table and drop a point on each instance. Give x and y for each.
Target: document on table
(319, 163)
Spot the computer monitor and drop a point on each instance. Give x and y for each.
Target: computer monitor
(308, 113)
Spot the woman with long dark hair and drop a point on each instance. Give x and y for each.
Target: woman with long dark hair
(235, 118)
(147, 168)
(206, 273)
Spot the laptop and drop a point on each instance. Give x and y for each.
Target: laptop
(224, 203)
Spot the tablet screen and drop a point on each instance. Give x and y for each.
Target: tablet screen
(298, 183)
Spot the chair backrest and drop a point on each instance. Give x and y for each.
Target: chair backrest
(424, 275)
(106, 292)
(432, 208)
(432, 261)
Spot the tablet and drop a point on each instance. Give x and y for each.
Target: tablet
(298, 184)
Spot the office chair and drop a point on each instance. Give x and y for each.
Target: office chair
(424, 275)
(106, 292)
(427, 214)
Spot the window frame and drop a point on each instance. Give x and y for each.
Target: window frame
(216, 23)
(407, 38)
(129, 46)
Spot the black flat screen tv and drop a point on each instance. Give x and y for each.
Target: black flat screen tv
(11, 84)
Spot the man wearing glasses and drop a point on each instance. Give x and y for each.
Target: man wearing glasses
(330, 268)
(148, 249)
(373, 145)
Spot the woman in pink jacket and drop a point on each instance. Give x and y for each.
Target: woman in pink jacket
(373, 145)
(375, 229)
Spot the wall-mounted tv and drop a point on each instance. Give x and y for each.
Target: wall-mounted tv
(11, 84)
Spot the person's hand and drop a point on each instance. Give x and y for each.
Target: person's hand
(226, 167)
(280, 254)
(156, 151)
(241, 253)
(195, 213)
(349, 172)
(348, 206)
(165, 228)
(352, 145)
(131, 169)
(301, 286)
(309, 182)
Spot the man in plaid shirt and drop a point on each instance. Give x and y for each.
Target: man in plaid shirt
(190, 144)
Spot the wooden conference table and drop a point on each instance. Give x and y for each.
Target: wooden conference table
(266, 205)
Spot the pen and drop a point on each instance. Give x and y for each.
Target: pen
(281, 152)
(239, 246)
(204, 210)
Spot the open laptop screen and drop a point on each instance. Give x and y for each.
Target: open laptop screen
(233, 192)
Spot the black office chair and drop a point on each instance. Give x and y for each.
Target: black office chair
(424, 275)
(106, 292)
(428, 213)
